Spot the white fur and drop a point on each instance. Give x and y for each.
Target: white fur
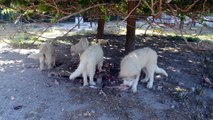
(80, 47)
(91, 57)
(141, 59)
(46, 55)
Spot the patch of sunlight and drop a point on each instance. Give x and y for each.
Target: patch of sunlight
(53, 33)
(25, 51)
(174, 50)
(122, 50)
(206, 37)
(65, 42)
(122, 31)
(107, 58)
(3, 45)
(194, 62)
(6, 62)
(142, 31)
(2, 69)
(179, 89)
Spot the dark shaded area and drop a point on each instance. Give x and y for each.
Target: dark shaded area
(183, 95)
(185, 90)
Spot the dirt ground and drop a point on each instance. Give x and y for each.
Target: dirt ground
(27, 93)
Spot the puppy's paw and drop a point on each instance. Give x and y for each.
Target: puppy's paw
(71, 78)
(149, 85)
(85, 84)
(92, 83)
(144, 80)
(134, 90)
(166, 74)
(41, 69)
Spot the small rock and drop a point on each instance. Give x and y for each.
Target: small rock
(87, 114)
(17, 107)
(160, 88)
(92, 86)
(92, 111)
(180, 83)
(56, 82)
(172, 106)
(12, 97)
(193, 89)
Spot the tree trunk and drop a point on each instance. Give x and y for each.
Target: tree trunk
(100, 30)
(130, 35)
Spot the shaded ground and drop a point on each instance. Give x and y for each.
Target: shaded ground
(27, 93)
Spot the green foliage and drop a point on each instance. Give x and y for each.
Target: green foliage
(192, 39)
(56, 18)
(107, 18)
(182, 16)
(84, 2)
(44, 8)
(158, 31)
(5, 2)
(7, 11)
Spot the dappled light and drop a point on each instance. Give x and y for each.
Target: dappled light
(175, 50)
(9, 62)
(179, 89)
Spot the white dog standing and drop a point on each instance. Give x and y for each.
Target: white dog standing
(132, 64)
(46, 55)
(80, 47)
(89, 59)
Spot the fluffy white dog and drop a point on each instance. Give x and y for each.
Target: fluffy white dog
(89, 59)
(80, 47)
(141, 59)
(46, 55)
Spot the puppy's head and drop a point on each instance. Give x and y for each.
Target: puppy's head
(127, 81)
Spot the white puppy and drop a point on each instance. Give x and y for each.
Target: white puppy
(79, 48)
(132, 64)
(91, 57)
(46, 55)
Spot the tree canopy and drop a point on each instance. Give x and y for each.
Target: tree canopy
(63, 9)
(148, 10)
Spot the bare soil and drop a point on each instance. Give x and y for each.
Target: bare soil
(27, 93)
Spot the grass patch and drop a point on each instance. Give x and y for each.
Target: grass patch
(22, 40)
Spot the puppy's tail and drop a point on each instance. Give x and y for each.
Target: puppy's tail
(35, 55)
(162, 71)
(78, 71)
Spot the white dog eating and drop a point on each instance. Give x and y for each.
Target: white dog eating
(141, 59)
(89, 59)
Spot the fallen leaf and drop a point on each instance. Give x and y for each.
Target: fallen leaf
(17, 107)
(206, 79)
(12, 97)
(101, 92)
(56, 82)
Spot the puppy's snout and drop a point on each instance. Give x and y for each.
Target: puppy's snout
(128, 83)
(72, 54)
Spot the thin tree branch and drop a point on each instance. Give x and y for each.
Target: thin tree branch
(72, 28)
(83, 10)
(188, 8)
(131, 11)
